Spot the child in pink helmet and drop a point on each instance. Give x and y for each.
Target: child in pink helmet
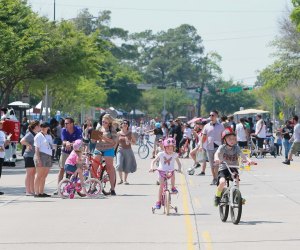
(74, 161)
(166, 161)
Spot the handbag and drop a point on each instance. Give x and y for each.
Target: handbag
(201, 156)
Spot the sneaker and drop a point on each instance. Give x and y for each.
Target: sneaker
(29, 194)
(214, 182)
(126, 182)
(120, 182)
(197, 165)
(202, 173)
(217, 201)
(45, 195)
(287, 162)
(1, 193)
(38, 196)
(174, 190)
(259, 157)
(157, 205)
(55, 193)
(113, 192)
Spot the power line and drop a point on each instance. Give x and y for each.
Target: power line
(170, 10)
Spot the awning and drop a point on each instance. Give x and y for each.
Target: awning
(250, 111)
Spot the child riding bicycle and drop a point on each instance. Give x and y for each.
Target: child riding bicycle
(166, 160)
(74, 161)
(229, 152)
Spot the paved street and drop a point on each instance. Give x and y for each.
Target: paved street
(270, 218)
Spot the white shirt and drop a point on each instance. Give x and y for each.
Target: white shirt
(261, 133)
(43, 142)
(241, 134)
(166, 161)
(296, 134)
(188, 133)
(2, 141)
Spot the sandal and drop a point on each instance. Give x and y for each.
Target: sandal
(120, 182)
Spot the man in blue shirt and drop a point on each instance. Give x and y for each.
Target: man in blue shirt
(69, 134)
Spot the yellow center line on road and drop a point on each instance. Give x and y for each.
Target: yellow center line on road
(191, 182)
(207, 240)
(187, 216)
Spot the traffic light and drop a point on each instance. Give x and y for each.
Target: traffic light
(248, 88)
(222, 90)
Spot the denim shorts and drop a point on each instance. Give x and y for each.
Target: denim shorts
(70, 168)
(107, 152)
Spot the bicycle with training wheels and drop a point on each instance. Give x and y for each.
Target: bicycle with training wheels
(68, 186)
(166, 194)
(144, 149)
(99, 172)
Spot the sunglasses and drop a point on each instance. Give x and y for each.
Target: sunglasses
(211, 115)
(125, 123)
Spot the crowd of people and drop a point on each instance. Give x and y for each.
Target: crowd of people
(43, 143)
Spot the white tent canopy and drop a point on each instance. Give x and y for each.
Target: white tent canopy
(250, 111)
(19, 104)
(37, 107)
(137, 112)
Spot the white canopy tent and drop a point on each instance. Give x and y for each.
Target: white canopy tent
(36, 110)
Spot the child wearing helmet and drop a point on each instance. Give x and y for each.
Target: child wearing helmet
(228, 152)
(166, 160)
(74, 161)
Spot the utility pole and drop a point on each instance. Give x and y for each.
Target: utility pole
(54, 8)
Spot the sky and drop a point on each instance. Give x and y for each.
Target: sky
(241, 31)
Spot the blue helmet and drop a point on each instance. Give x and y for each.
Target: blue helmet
(157, 125)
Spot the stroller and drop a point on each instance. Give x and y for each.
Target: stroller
(269, 147)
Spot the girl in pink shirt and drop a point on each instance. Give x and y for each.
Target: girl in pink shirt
(74, 161)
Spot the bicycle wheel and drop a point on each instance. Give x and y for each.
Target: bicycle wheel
(143, 151)
(167, 202)
(236, 207)
(104, 179)
(223, 206)
(93, 187)
(65, 188)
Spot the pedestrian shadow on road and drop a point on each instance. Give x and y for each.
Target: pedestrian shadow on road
(133, 195)
(252, 223)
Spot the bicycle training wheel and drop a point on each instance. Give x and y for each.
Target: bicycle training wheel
(143, 151)
(93, 187)
(223, 206)
(236, 207)
(65, 188)
(167, 202)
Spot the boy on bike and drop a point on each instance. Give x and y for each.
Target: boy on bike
(228, 152)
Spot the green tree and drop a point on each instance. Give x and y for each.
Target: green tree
(35, 50)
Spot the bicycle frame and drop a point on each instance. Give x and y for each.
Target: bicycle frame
(166, 193)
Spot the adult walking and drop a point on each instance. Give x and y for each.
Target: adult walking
(42, 159)
(242, 134)
(126, 162)
(28, 142)
(295, 148)
(212, 134)
(69, 134)
(260, 134)
(287, 132)
(106, 147)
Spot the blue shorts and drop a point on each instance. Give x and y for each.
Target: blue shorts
(70, 168)
(107, 152)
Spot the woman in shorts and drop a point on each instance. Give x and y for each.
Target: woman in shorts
(28, 142)
(42, 159)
